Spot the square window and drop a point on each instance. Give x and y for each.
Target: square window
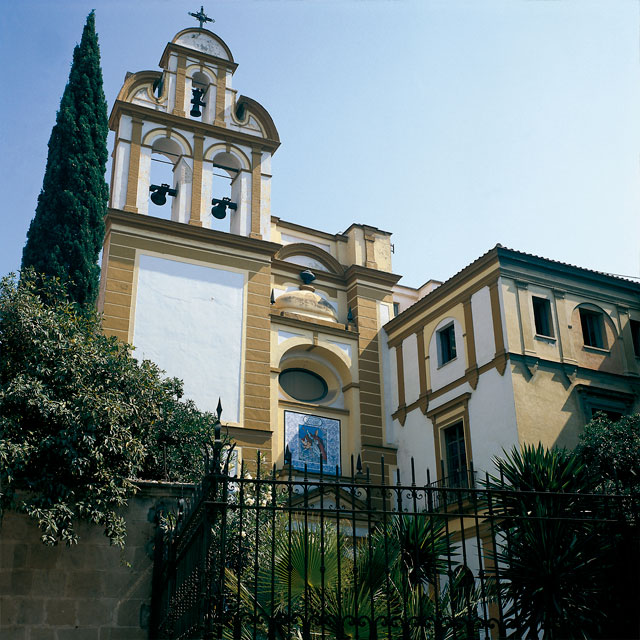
(455, 455)
(446, 344)
(542, 316)
(592, 328)
(635, 334)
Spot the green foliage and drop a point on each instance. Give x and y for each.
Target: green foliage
(611, 451)
(553, 557)
(79, 416)
(394, 575)
(176, 446)
(66, 234)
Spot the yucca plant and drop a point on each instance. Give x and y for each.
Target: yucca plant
(551, 557)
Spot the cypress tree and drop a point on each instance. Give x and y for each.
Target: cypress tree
(67, 231)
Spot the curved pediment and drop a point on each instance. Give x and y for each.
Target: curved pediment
(134, 82)
(246, 107)
(302, 249)
(204, 41)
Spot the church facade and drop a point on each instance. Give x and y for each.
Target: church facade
(315, 350)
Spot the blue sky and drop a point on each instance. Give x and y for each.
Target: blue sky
(454, 124)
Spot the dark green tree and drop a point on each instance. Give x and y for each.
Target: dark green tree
(81, 418)
(66, 234)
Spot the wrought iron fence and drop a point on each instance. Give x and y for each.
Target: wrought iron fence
(282, 554)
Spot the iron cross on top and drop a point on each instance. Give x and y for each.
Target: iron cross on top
(201, 16)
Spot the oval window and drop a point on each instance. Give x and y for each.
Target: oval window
(303, 385)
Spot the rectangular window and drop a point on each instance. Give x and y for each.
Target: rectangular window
(455, 456)
(635, 334)
(396, 308)
(592, 333)
(542, 316)
(446, 344)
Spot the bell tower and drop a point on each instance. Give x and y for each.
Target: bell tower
(187, 255)
(188, 116)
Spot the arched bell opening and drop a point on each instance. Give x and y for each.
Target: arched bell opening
(170, 178)
(201, 97)
(226, 192)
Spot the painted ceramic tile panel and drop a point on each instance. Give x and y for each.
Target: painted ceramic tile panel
(311, 438)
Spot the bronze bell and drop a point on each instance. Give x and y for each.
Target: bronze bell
(159, 193)
(219, 210)
(197, 102)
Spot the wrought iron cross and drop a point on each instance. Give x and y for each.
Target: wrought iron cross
(201, 16)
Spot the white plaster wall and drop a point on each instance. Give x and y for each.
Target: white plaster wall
(120, 174)
(452, 370)
(265, 207)
(307, 262)
(202, 42)
(492, 418)
(483, 326)
(410, 362)
(415, 440)
(125, 127)
(241, 195)
(144, 178)
(183, 181)
(188, 320)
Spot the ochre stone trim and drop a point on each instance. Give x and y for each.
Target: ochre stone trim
(142, 226)
(221, 92)
(526, 330)
(181, 76)
(134, 166)
(470, 342)
(501, 356)
(257, 405)
(422, 370)
(369, 247)
(196, 185)
(256, 189)
(565, 344)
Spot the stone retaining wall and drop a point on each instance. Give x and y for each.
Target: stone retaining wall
(91, 591)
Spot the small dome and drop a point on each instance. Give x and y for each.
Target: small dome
(306, 303)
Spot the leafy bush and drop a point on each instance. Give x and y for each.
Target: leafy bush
(80, 417)
(611, 451)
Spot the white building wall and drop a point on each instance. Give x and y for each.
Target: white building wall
(492, 418)
(483, 326)
(415, 440)
(189, 321)
(411, 375)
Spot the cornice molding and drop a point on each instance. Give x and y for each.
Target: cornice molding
(187, 231)
(162, 118)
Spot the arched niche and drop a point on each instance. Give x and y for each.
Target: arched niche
(324, 359)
